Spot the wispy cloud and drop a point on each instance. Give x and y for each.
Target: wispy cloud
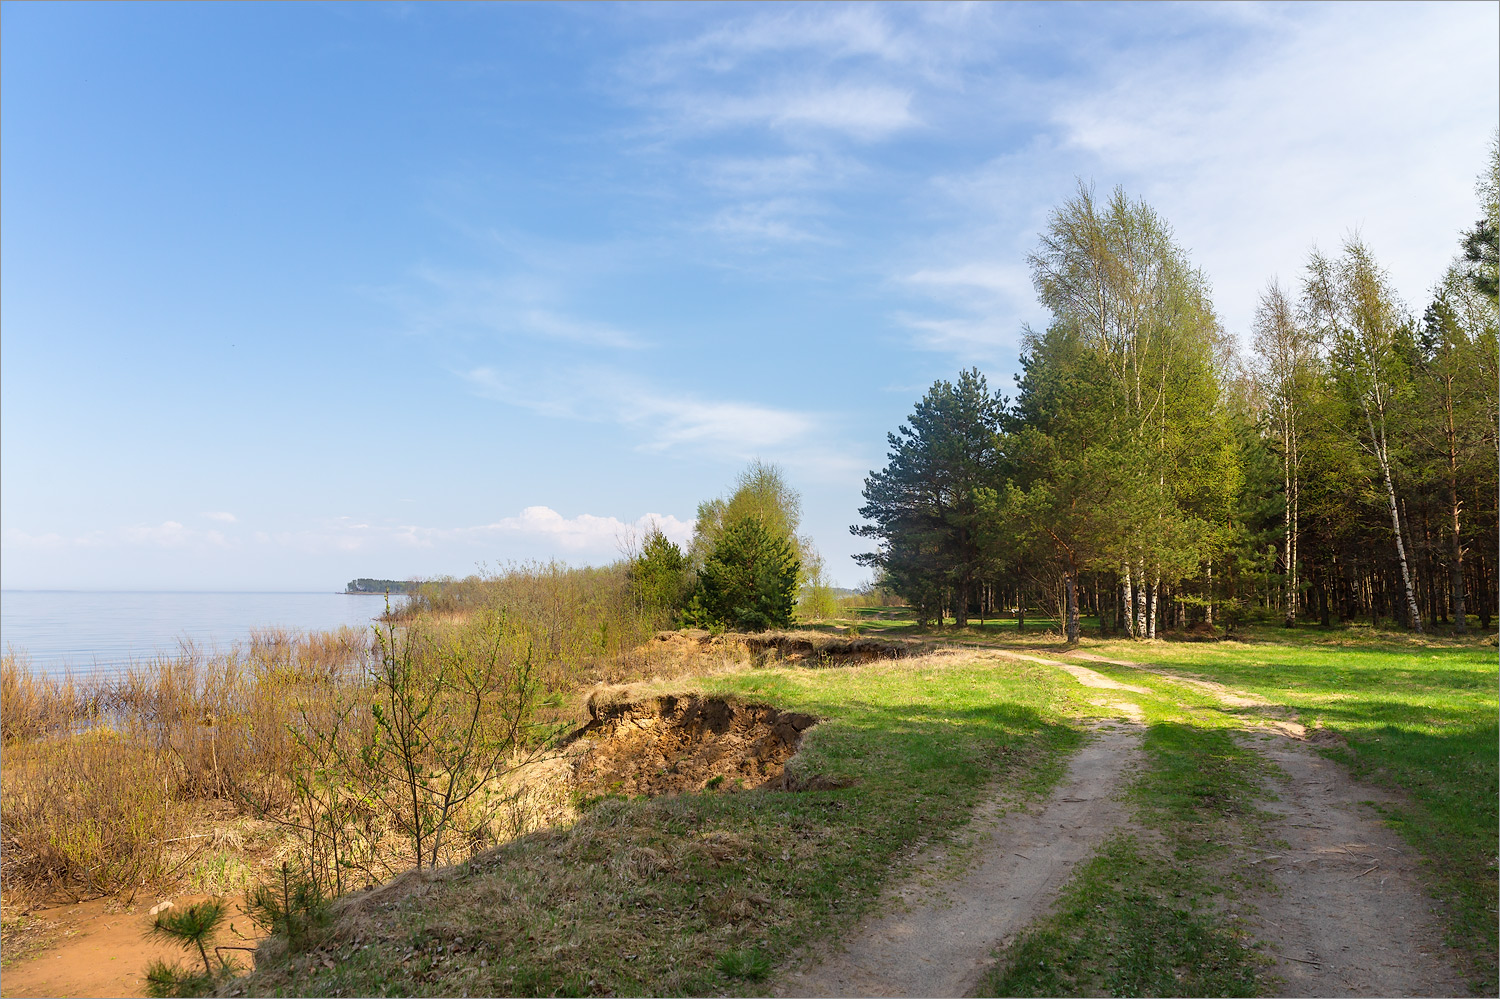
(779, 220)
(863, 111)
(583, 533)
(222, 516)
(664, 419)
(451, 302)
(168, 534)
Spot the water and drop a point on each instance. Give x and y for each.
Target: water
(87, 632)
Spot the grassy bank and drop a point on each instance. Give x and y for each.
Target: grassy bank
(704, 893)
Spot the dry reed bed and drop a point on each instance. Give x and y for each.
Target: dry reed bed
(113, 785)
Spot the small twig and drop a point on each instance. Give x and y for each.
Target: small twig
(1023, 856)
(1363, 873)
(1316, 964)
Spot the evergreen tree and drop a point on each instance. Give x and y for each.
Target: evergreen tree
(923, 507)
(749, 580)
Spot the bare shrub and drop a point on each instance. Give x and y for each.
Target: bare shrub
(33, 704)
(580, 621)
(89, 814)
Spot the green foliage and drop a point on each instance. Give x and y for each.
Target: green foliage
(923, 507)
(748, 581)
(761, 492)
(291, 906)
(659, 574)
(190, 927)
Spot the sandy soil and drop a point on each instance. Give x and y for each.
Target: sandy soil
(936, 940)
(101, 949)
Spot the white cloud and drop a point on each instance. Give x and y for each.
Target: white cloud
(1333, 118)
(767, 221)
(583, 534)
(739, 427)
(167, 534)
(1256, 131)
(221, 516)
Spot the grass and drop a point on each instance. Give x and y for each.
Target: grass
(1414, 715)
(692, 894)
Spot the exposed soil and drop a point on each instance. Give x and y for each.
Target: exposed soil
(100, 948)
(672, 744)
(800, 648)
(816, 649)
(1351, 917)
(937, 940)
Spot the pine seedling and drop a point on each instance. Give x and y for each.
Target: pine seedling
(191, 927)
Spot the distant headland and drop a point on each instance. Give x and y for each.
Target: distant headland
(381, 586)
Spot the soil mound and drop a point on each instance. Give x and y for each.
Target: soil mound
(817, 649)
(672, 744)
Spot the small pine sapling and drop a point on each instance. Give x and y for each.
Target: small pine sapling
(191, 927)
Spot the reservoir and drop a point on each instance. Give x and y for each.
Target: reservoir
(89, 631)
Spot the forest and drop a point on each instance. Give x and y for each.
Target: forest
(1152, 472)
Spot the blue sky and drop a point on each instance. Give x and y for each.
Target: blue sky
(296, 293)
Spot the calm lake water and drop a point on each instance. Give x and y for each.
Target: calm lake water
(87, 631)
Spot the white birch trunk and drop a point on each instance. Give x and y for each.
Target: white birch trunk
(1140, 600)
(1381, 455)
(1127, 600)
(1154, 592)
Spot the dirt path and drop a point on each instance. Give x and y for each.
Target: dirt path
(1351, 917)
(937, 940)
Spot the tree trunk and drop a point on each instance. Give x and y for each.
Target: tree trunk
(1383, 457)
(1152, 593)
(1208, 608)
(1456, 558)
(1070, 593)
(1127, 601)
(1289, 604)
(1140, 600)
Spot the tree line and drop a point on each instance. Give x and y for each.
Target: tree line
(1148, 474)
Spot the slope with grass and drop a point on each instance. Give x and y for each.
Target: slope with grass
(698, 893)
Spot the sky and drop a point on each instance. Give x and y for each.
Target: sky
(293, 293)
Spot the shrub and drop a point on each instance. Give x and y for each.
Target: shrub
(89, 815)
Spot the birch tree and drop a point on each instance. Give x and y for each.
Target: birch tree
(1284, 354)
(1349, 302)
(1110, 272)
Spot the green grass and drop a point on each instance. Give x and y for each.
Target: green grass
(1415, 715)
(1156, 916)
(698, 893)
